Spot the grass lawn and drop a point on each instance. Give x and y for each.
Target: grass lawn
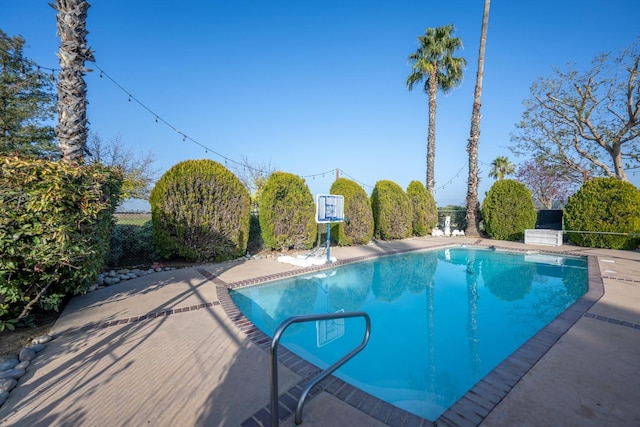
(132, 218)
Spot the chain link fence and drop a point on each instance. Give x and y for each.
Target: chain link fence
(458, 218)
(131, 241)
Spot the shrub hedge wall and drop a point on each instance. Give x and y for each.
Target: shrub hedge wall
(287, 213)
(508, 210)
(425, 212)
(604, 205)
(200, 212)
(55, 225)
(358, 229)
(392, 214)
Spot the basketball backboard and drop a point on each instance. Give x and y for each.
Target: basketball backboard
(329, 208)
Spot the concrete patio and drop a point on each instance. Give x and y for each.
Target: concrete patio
(170, 349)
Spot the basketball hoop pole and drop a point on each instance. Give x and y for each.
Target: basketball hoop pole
(329, 209)
(328, 243)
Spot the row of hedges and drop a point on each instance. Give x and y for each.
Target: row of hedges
(55, 225)
(200, 212)
(604, 213)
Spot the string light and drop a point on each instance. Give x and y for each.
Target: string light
(450, 181)
(103, 74)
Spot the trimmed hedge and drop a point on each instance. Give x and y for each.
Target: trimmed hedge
(55, 225)
(425, 212)
(508, 210)
(392, 214)
(358, 229)
(287, 213)
(200, 212)
(604, 205)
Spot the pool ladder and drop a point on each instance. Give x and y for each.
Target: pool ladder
(273, 358)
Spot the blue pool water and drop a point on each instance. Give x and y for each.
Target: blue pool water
(440, 320)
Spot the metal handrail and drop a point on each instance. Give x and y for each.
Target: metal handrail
(273, 358)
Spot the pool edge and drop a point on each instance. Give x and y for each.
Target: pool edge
(472, 408)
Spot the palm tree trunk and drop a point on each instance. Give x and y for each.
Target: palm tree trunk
(431, 136)
(473, 214)
(72, 128)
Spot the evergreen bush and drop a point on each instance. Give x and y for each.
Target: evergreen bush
(358, 227)
(425, 212)
(604, 205)
(55, 224)
(200, 212)
(287, 213)
(392, 214)
(508, 210)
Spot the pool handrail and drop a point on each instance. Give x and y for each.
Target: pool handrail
(273, 358)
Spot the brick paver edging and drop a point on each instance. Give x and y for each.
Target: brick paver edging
(133, 319)
(470, 410)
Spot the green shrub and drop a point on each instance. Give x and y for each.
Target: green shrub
(425, 212)
(392, 215)
(358, 229)
(604, 205)
(55, 224)
(200, 212)
(287, 213)
(508, 210)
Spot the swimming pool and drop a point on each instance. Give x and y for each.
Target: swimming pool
(441, 319)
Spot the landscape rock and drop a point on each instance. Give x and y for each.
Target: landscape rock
(27, 354)
(3, 397)
(23, 365)
(7, 384)
(12, 373)
(37, 347)
(9, 364)
(112, 273)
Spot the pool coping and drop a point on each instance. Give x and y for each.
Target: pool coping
(471, 409)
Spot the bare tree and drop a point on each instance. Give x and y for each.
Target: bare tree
(586, 123)
(549, 186)
(254, 176)
(138, 168)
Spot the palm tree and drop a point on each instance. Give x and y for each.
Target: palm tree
(500, 167)
(434, 63)
(72, 128)
(473, 207)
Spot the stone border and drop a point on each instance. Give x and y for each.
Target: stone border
(471, 409)
(12, 367)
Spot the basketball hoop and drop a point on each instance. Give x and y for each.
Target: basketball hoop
(329, 209)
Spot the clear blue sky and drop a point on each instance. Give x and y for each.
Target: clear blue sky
(310, 86)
